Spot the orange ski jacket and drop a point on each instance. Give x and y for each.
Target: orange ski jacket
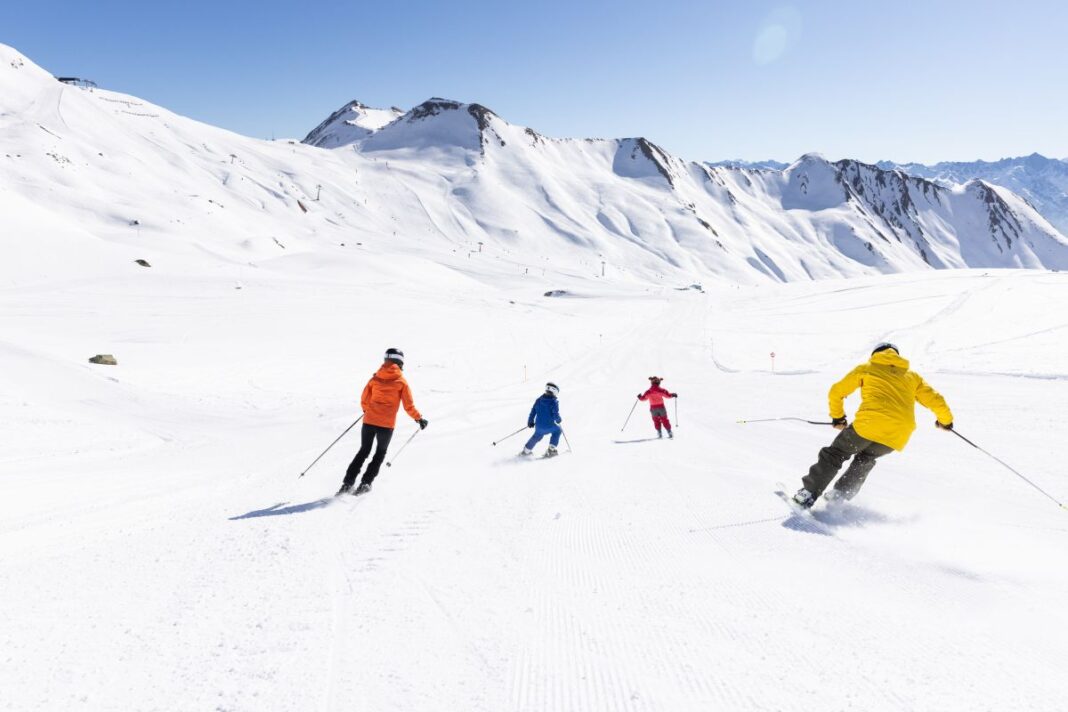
(383, 395)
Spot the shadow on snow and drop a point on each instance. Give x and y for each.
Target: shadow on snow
(853, 516)
(826, 521)
(801, 523)
(280, 509)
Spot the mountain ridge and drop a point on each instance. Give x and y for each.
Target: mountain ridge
(1040, 180)
(447, 175)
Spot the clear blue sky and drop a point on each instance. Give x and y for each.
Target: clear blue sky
(902, 80)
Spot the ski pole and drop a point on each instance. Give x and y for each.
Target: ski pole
(628, 416)
(800, 420)
(676, 411)
(509, 435)
(417, 431)
(1009, 468)
(328, 449)
(565, 439)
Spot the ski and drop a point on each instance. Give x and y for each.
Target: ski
(352, 492)
(532, 457)
(800, 515)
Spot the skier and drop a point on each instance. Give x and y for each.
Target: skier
(883, 423)
(381, 398)
(656, 395)
(545, 419)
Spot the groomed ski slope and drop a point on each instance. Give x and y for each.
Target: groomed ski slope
(160, 553)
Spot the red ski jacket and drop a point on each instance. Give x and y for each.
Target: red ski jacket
(655, 395)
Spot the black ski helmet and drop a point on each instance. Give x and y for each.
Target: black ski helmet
(395, 356)
(885, 346)
(552, 389)
(655, 380)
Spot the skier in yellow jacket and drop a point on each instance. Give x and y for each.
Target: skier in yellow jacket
(883, 423)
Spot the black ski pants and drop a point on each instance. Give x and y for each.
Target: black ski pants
(368, 435)
(848, 444)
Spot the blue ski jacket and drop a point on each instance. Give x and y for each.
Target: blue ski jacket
(545, 413)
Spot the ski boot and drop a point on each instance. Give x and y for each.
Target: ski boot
(345, 489)
(364, 488)
(804, 499)
(659, 433)
(551, 452)
(527, 452)
(671, 435)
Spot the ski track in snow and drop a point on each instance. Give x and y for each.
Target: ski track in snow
(659, 576)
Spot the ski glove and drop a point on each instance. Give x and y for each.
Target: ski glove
(839, 423)
(530, 425)
(943, 427)
(422, 423)
(674, 395)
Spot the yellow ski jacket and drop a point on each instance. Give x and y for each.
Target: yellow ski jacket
(888, 390)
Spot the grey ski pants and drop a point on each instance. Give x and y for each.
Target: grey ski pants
(848, 444)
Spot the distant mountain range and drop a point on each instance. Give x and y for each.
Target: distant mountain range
(1042, 181)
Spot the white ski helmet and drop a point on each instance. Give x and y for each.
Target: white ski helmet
(552, 389)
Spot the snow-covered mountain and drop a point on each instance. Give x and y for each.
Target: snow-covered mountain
(1042, 181)
(881, 219)
(446, 178)
(350, 123)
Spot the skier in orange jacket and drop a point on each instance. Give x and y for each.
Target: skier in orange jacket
(381, 399)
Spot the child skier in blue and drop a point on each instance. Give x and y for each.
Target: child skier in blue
(545, 419)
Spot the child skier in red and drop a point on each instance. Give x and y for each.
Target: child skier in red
(656, 395)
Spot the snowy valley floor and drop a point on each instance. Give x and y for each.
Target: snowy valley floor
(158, 552)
